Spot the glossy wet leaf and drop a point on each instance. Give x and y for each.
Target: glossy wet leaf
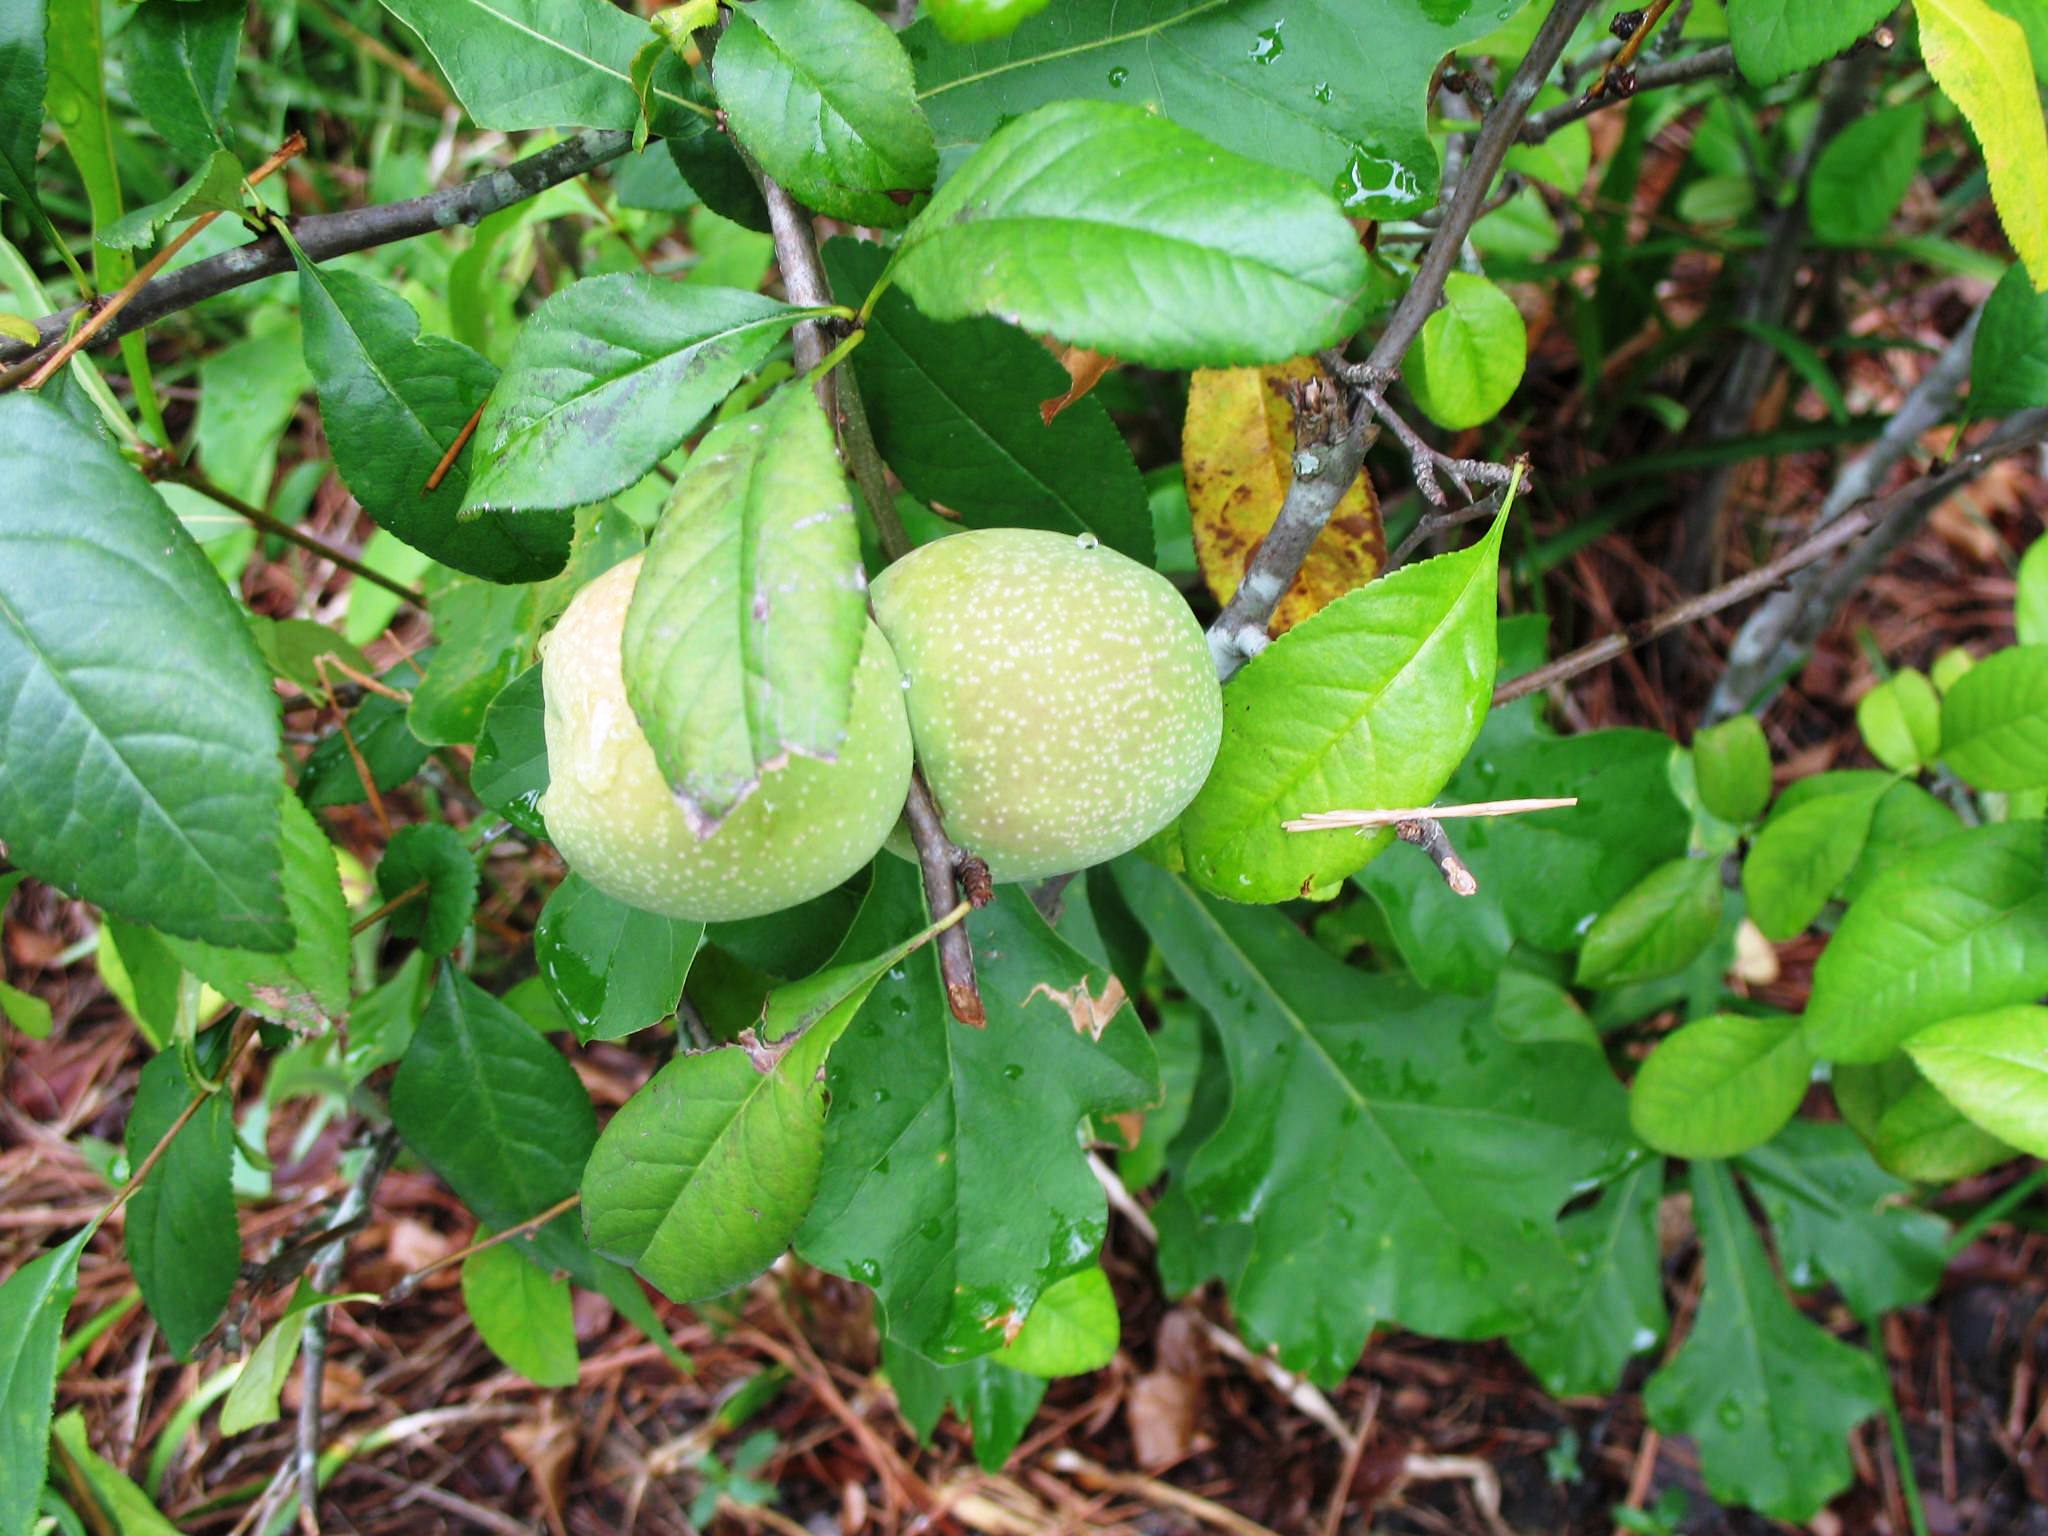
(1237, 451)
(1994, 721)
(1959, 927)
(1615, 1310)
(33, 1301)
(613, 968)
(1994, 1068)
(997, 1402)
(523, 1313)
(1659, 925)
(432, 855)
(179, 1232)
(606, 378)
(381, 1021)
(820, 91)
(747, 622)
(380, 733)
(138, 723)
(24, 71)
(1333, 89)
(1768, 1396)
(1387, 1155)
(1370, 703)
(1720, 1085)
(955, 411)
(510, 770)
(392, 403)
(1148, 244)
(919, 1194)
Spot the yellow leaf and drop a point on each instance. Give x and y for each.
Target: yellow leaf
(20, 327)
(1979, 58)
(1237, 450)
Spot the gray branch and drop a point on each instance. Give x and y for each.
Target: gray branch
(1683, 70)
(327, 235)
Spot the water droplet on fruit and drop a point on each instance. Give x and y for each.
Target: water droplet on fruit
(1087, 540)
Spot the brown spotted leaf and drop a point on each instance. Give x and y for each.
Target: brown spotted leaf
(1237, 450)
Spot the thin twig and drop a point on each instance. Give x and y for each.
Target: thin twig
(454, 451)
(1618, 76)
(1426, 462)
(410, 1283)
(325, 1271)
(105, 314)
(324, 236)
(411, 893)
(1427, 833)
(1360, 821)
(1430, 524)
(946, 870)
(1683, 70)
(1909, 501)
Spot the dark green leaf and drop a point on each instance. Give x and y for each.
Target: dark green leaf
(381, 734)
(23, 74)
(180, 1234)
(997, 1402)
(523, 1313)
(33, 1302)
(920, 1195)
(510, 770)
(1960, 927)
(1408, 659)
(142, 758)
(1769, 1397)
(713, 168)
(430, 854)
(381, 1023)
(1720, 1085)
(606, 378)
(181, 64)
(1615, 1309)
(1331, 88)
(1732, 762)
(821, 93)
(1148, 244)
(1776, 38)
(613, 968)
(955, 410)
(1179, 1043)
(1864, 173)
(749, 617)
(795, 941)
(216, 187)
(392, 402)
(1836, 1213)
(2009, 363)
(1387, 1154)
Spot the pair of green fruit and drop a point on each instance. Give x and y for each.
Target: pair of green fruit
(1059, 695)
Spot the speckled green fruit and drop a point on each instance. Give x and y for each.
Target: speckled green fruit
(809, 826)
(1061, 695)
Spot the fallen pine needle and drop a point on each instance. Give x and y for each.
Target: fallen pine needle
(1362, 821)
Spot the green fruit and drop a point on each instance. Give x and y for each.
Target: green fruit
(979, 21)
(1061, 695)
(808, 827)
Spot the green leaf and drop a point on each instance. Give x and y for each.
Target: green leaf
(748, 620)
(23, 75)
(1370, 703)
(1960, 927)
(510, 770)
(613, 968)
(137, 966)
(606, 379)
(1072, 1328)
(2009, 361)
(1334, 89)
(307, 986)
(1864, 173)
(543, 63)
(1658, 928)
(26, 1012)
(432, 854)
(392, 403)
(1994, 721)
(181, 65)
(140, 723)
(180, 1233)
(380, 731)
(1720, 1085)
(1387, 1155)
(381, 1024)
(1908, 819)
(1900, 720)
(1732, 762)
(1922, 1136)
(118, 1502)
(702, 1178)
(252, 1400)
(216, 187)
(996, 1401)
(919, 1194)
(1769, 1397)
(1179, 1043)
(821, 93)
(1148, 244)
(491, 1106)
(955, 412)
(523, 1313)
(1806, 850)
(298, 651)
(1994, 1068)
(33, 1301)
(1835, 1212)
(1980, 60)
(1470, 355)
(1776, 38)
(1615, 1309)
(977, 21)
